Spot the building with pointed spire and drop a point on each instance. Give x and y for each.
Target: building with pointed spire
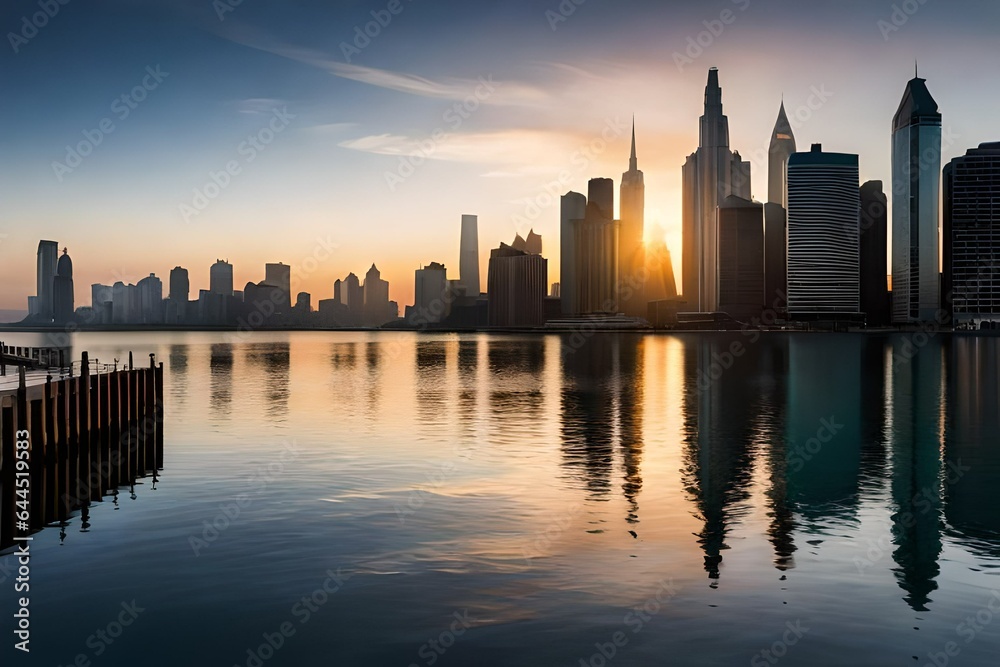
(376, 299)
(468, 259)
(62, 290)
(631, 256)
(782, 146)
(916, 182)
(711, 174)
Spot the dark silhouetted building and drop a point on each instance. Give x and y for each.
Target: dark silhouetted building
(916, 180)
(516, 284)
(631, 251)
(468, 260)
(711, 174)
(220, 278)
(376, 299)
(596, 251)
(874, 242)
(48, 256)
(972, 236)
(431, 297)
(280, 276)
(573, 208)
(741, 257)
(178, 296)
(823, 216)
(62, 290)
(775, 258)
(150, 291)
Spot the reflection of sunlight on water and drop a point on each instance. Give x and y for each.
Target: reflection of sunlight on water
(550, 490)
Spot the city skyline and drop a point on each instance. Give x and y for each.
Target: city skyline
(501, 156)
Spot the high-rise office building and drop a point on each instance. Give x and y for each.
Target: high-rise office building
(220, 278)
(180, 285)
(916, 180)
(874, 241)
(376, 299)
(101, 302)
(972, 236)
(823, 215)
(775, 258)
(631, 251)
(516, 283)
(781, 148)
(62, 290)
(573, 207)
(280, 276)
(431, 302)
(352, 295)
(741, 257)
(711, 174)
(150, 291)
(596, 251)
(48, 256)
(660, 283)
(468, 260)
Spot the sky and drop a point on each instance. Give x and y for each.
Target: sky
(144, 134)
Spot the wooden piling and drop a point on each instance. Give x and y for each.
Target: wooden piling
(159, 416)
(7, 476)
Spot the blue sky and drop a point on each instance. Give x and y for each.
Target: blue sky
(544, 103)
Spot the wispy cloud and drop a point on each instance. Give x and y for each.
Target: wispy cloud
(505, 147)
(451, 88)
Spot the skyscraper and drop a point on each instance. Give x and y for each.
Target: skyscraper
(741, 257)
(874, 241)
(972, 235)
(150, 291)
(775, 257)
(352, 295)
(48, 255)
(823, 255)
(220, 278)
(180, 285)
(516, 283)
(782, 146)
(596, 251)
(280, 276)
(430, 294)
(468, 260)
(631, 253)
(711, 174)
(62, 290)
(573, 207)
(916, 180)
(376, 299)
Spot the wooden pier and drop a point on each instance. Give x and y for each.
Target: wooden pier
(88, 435)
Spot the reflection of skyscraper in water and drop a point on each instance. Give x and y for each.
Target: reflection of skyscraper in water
(719, 428)
(516, 381)
(272, 361)
(431, 382)
(973, 379)
(468, 385)
(773, 411)
(822, 427)
(918, 404)
(630, 390)
(220, 366)
(587, 417)
(178, 366)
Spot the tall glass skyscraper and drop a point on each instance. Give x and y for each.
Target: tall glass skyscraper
(916, 183)
(823, 252)
(48, 255)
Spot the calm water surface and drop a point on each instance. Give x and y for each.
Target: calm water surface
(500, 500)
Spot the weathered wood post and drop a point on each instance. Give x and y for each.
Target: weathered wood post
(115, 428)
(3, 358)
(149, 414)
(86, 457)
(104, 381)
(133, 436)
(37, 449)
(160, 407)
(62, 447)
(51, 473)
(75, 487)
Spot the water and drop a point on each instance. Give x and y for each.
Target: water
(513, 500)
